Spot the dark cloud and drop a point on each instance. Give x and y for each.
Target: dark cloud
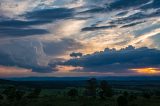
(122, 13)
(7, 60)
(93, 28)
(31, 54)
(132, 24)
(111, 60)
(137, 16)
(154, 4)
(22, 54)
(16, 28)
(76, 54)
(19, 28)
(20, 23)
(116, 5)
(50, 14)
(21, 32)
(60, 47)
(123, 4)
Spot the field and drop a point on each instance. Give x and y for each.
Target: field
(69, 93)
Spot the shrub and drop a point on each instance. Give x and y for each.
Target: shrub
(72, 92)
(122, 101)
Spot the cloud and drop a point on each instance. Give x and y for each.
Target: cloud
(25, 54)
(66, 28)
(20, 28)
(61, 47)
(124, 4)
(132, 24)
(21, 32)
(117, 61)
(61, 68)
(14, 8)
(76, 54)
(14, 72)
(97, 28)
(35, 55)
(134, 17)
(50, 14)
(12, 23)
(24, 27)
(152, 4)
(115, 5)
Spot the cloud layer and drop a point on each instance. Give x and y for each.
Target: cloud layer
(117, 61)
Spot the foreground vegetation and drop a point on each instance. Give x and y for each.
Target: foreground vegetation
(93, 94)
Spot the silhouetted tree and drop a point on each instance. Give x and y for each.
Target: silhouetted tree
(122, 101)
(106, 90)
(19, 94)
(125, 93)
(146, 95)
(91, 87)
(35, 93)
(132, 97)
(10, 93)
(1, 97)
(157, 93)
(72, 93)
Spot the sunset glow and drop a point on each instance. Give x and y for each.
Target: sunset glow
(67, 68)
(14, 71)
(147, 70)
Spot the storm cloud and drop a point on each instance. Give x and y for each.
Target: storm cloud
(111, 60)
(35, 55)
(61, 46)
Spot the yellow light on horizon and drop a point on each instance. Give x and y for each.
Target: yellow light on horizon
(62, 68)
(147, 70)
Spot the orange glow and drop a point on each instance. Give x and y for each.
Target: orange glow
(67, 68)
(147, 70)
(14, 71)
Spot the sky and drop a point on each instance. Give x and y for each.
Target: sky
(79, 38)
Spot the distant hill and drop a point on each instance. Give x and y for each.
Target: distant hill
(63, 82)
(4, 81)
(115, 78)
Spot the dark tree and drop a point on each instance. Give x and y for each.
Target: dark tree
(106, 90)
(10, 93)
(157, 93)
(19, 94)
(35, 93)
(1, 97)
(72, 93)
(122, 101)
(91, 87)
(125, 93)
(146, 95)
(132, 97)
